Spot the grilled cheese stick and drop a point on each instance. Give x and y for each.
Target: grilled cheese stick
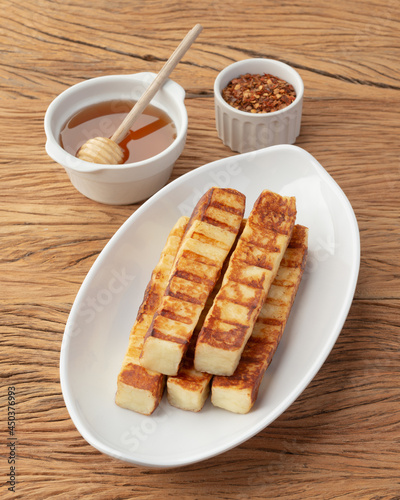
(210, 234)
(238, 392)
(139, 389)
(252, 268)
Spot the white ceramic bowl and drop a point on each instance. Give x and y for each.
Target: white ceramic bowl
(117, 184)
(243, 131)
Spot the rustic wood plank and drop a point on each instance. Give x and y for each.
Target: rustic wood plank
(340, 437)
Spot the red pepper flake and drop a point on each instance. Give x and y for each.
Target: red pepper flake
(259, 93)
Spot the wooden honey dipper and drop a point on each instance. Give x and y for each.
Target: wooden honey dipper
(107, 151)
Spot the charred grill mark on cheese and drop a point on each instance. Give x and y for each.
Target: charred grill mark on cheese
(183, 296)
(239, 391)
(170, 338)
(205, 239)
(227, 208)
(219, 223)
(253, 265)
(241, 294)
(139, 389)
(176, 317)
(187, 290)
(195, 257)
(269, 321)
(193, 277)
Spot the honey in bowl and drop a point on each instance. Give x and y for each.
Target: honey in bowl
(151, 134)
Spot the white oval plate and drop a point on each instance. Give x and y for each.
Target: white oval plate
(97, 331)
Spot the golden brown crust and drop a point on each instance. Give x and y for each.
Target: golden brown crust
(134, 380)
(137, 376)
(213, 198)
(223, 335)
(167, 337)
(273, 212)
(151, 300)
(270, 324)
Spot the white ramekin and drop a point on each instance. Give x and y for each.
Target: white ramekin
(117, 184)
(243, 131)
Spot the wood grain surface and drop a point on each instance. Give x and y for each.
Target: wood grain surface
(340, 439)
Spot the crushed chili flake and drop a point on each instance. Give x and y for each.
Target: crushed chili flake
(259, 93)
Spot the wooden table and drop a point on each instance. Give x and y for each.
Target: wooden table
(340, 438)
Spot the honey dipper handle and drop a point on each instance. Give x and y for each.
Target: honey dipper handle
(156, 84)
